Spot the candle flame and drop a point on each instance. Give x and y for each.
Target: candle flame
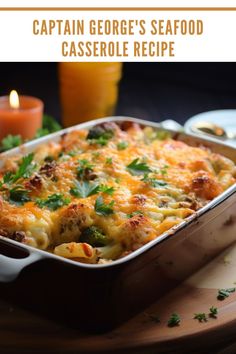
(14, 99)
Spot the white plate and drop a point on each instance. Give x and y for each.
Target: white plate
(225, 118)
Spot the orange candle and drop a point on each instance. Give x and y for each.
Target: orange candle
(20, 115)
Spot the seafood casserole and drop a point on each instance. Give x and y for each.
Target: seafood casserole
(97, 195)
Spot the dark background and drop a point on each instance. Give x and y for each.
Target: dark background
(154, 91)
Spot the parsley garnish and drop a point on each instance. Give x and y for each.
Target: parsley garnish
(122, 145)
(105, 189)
(72, 153)
(224, 293)
(53, 202)
(163, 170)
(201, 317)
(18, 195)
(85, 167)
(85, 163)
(134, 213)
(174, 320)
(157, 183)
(95, 154)
(213, 312)
(153, 181)
(7, 177)
(103, 209)
(109, 160)
(137, 168)
(84, 189)
(25, 169)
(9, 142)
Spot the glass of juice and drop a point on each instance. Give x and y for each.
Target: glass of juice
(88, 90)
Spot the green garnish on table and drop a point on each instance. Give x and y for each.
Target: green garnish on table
(201, 317)
(213, 312)
(224, 293)
(25, 169)
(174, 320)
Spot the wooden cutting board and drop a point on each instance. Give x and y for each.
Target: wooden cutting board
(24, 332)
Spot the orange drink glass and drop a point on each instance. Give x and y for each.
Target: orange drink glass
(88, 90)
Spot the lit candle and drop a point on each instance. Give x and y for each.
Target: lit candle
(20, 115)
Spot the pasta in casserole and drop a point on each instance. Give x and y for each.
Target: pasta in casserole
(99, 194)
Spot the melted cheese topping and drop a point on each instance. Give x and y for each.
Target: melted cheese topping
(168, 183)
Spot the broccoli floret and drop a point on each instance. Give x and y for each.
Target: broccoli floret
(94, 237)
(101, 133)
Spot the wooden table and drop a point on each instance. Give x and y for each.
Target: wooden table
(24, 332)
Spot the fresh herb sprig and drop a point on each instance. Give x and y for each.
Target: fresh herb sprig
(53, 202)
(103, 209)
(109, 161)
(174, 320)
(106, 189)
(213, 312)
(163, 170)
(137, 212)
(25, 169)
(153, 182)
(18, 195)
(137, 167)
(84, 167)
(84, 189)
(224, 293)
(10, 142)
(6, 179)
(122, 145)
(201, 317)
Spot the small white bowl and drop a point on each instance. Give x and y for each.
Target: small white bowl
(225, 118)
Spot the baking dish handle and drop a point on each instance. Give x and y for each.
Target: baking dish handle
(10, 267)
